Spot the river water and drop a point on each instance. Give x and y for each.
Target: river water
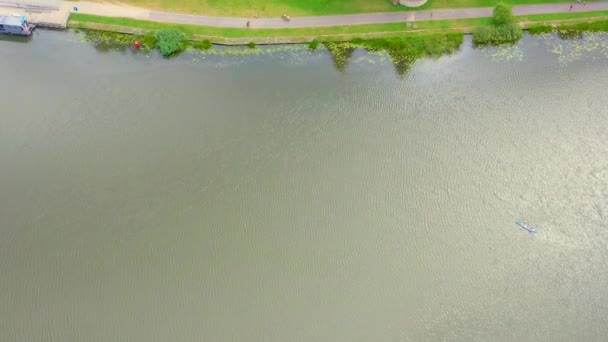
(265, 195)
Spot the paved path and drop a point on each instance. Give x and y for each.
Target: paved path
(112, 10)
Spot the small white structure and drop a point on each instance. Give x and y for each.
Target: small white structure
(412, 3)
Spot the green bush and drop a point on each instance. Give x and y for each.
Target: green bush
(497, 35)
(313, 45)
(202, 45)
(170, 41)
(482, 35)
(503, 15)
(251, 45)
(508, 34)
(504, 31)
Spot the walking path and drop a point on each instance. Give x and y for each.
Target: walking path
(111, 10)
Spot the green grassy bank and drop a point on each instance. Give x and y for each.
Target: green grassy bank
(404, 44)
(275, 8)
(403, 51)
(338, 33)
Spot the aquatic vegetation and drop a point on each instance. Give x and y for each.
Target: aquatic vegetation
(341, 53)
(504, 53)
(202, 45)
(112, 41)
(170, 41)
(313, 45)
(260, 51)
(573, 42)
(568, 31)
(403, 51)
(592, 45)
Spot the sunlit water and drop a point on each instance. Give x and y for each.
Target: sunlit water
(266, 196)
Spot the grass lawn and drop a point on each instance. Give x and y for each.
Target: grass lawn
(483, 3)
(268, 8)
(80, 20)
(275, 8)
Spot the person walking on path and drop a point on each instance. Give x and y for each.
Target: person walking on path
(248, 24)
(571, 6)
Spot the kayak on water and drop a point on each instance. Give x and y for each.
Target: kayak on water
(526, 226)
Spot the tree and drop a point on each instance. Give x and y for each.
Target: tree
(503, 15)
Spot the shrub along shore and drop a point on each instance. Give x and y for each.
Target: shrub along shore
(504, 29)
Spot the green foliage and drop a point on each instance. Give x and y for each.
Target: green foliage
(418, 45)
(403, 50)
(340, 53)
(148, 41)
(570, 33)
(313, 45)
(504, 31)
(598, 26)
(540, 29)
(105, 41)
(202, 45)
(497, 35)
(503, 15)
(482, 35)
(251, 45)
(170, 41)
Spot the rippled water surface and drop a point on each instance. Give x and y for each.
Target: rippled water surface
(268, 196)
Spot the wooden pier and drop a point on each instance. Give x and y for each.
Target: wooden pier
(40, 16)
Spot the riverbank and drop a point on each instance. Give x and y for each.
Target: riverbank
(243, 36)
